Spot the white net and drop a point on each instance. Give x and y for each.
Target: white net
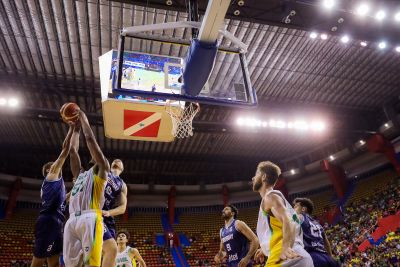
(182, 119)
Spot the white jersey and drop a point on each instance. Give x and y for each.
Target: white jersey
(264, 227)
(87, 193)
(124, 259)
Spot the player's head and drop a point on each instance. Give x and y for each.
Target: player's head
(123, 236)
(229, 211)
(268, 173)
(46, 168)
(117, 167)
(303, 205)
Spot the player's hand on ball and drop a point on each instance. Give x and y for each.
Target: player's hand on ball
(259, 256)
(288, 253)
(106, 213)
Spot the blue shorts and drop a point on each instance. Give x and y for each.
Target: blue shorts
(322, 259)
(109, 231)
(48, 236)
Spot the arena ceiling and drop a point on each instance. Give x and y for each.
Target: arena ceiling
(49, 53)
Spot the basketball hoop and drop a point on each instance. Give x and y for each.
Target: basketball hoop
(182, 119)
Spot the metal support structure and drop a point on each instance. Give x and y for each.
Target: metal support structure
(194, 15)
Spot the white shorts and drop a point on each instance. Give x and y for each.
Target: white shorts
(83, 239)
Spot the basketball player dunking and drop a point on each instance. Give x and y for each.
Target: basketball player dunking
(83, 233)
(278, 227)
(235, 238)
(115, 193)
(127, 256)
(315, 241)
(49, 225)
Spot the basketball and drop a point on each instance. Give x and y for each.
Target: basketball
(70, 112)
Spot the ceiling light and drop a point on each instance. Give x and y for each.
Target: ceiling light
(328, 4)
(318, 126)
(397, 17)
(292, 171)
(240, 121)
(398, 49)
(382, 45)
(324, 36)
(345, 39)
(363, 44)
(13, 102)
(313, 35)
(362, 142)
(386, 125)
(380, 15)
(301, 125)
(331, 157)
(362, 10)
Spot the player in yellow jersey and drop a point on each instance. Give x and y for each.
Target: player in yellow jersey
(83, 232)
(127, 256)
(278, 227)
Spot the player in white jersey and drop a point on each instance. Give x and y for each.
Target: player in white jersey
(83, 233)
(127, 256)
(278, 227)
(109, 245)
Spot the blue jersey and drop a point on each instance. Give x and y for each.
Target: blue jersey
(111, 193)
(313, 235)
(235, 244)
(53, 198)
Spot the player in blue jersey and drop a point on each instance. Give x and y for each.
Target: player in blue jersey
(49, 225)
(116, 198)
(315, 240)
(238, 242)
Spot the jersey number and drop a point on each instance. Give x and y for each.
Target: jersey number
(315, 230)
(78, 186)
(228, 247)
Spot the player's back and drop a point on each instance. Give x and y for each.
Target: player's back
(235, 244)
(312, 234)
(124, 260)
(53, 198)
(87, 193)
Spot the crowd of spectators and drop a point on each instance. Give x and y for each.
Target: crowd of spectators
(359, 221)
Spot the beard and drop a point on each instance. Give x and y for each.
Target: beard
(225, 216)
(257, 185)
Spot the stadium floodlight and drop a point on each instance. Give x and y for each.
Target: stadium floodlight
(397, 17)
(13, 102)
(313, 35)
(382, 45)
(362, 10)
(331, 157)
(363, 44)
(380, 15)
(328, 4)
(324, 36)
(3, 101)
(345, 39)
(292, 171)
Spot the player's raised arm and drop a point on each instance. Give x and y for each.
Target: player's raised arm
(94, 149)
(56, 167)
(74, 159)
